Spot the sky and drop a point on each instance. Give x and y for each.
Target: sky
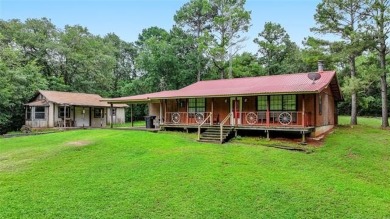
(127, 18)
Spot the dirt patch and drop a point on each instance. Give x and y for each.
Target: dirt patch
(81, 143)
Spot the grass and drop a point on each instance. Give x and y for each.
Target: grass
(128, 124)
(133, 174)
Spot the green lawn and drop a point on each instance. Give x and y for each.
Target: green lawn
(127, 174)
(128, 124)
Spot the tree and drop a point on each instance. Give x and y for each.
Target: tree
(246, 65)
(125, 55)
(344, 18)
(86, 62)
(195, 17)
(230, 20)
(277, 52)
(166, 63)
(379, 25)
(19, 80)
(316, 49)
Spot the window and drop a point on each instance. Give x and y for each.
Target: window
(61, 112)
(283, 102)
(39, 112)
(276, 102)
(28, 113)
(97, 112)
(262, 103)
(113, 111)
(290, 102)
(197, 105)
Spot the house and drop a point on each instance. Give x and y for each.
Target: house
(65, 109)
(302, 102)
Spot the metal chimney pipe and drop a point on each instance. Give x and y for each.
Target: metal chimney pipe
(320, 66)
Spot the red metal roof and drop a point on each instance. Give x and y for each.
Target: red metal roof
(274, 84)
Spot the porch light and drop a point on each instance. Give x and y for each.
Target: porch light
(226, 100)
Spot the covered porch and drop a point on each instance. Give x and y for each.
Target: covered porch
(266, 111)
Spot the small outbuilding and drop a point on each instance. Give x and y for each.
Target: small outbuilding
(67, 109)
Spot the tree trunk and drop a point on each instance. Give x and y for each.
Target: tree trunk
(385, 117)
(354, 93)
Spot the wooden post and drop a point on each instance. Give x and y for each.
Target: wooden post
(112, 115)
(165, 111)
(65, 116)
(131, 115)
(83, 116)
(303, 110)
(74, 116)
(101, 117)
(268, 113)
(303, 138)
(160, 112)
(315, 110)
(212, 112)
(187, 101)
(235, 112)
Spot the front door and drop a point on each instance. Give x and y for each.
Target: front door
(82, 116)
(235, 109)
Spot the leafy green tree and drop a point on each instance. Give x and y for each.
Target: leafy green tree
(277, 52)
(125, 55)
(86, 62)
(344, 18)
(379, 26)
(196, 16)
(316, 49)
(19, 81)
(230, 21)
(36, 39)
(246, 65)
(168, 63)
(155, 32)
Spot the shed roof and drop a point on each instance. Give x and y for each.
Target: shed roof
(75, 99)
(275, 84)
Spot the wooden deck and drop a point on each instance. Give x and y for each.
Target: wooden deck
(299, 129)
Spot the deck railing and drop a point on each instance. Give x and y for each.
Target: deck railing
(204, 121)
(276, 118)
(222, 124)
(187, 118)
(253, 118)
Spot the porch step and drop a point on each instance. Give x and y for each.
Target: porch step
(213, 134)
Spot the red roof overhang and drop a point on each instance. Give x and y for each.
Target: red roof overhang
(265, 85)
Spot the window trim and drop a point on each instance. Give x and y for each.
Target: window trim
(29, 113)
(283, 96)
(39, 113)
(296, 102)
(97, 112)
(61, 108)
(196, 105)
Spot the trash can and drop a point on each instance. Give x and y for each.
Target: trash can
(149, 121)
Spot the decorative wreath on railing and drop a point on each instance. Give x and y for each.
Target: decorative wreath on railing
(251, 118)
(199, 118)
(175, 118)
(285, 118)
